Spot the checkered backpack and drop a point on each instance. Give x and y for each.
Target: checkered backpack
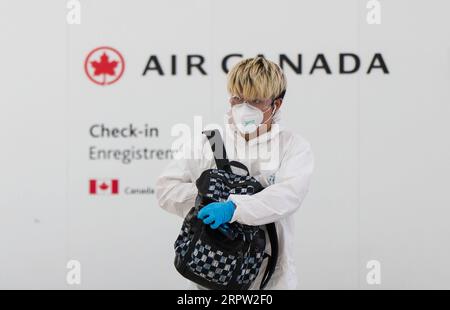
(229, 257)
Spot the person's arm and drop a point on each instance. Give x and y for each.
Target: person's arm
(175, 187)
(283, 197)
(175, 190)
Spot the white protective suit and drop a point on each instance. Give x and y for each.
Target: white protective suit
(279, 159)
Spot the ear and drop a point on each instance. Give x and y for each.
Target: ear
(278, 102)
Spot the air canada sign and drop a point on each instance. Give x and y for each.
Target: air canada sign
(106, 65)
(341, 63)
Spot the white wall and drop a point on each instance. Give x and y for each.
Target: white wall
(380, 140)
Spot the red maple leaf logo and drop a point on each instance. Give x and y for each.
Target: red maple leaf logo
(103, 186)
(104, 67)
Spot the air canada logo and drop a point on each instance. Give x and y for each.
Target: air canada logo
(103, 186)
(104, 65)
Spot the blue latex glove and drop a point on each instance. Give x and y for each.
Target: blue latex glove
(217, 213)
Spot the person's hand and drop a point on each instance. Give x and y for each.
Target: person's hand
(217, 213)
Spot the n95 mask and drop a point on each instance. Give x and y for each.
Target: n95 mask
(246, 117)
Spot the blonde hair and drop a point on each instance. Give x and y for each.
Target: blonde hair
(256, 78)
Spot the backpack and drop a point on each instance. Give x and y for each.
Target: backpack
(231, 256)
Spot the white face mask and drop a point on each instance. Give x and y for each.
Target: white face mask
(247, 118)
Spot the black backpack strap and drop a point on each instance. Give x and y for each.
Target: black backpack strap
(218, 148)
(273, 257)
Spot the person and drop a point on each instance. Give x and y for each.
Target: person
(282, 161)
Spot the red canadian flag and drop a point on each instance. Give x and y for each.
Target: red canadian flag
(97, 186)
